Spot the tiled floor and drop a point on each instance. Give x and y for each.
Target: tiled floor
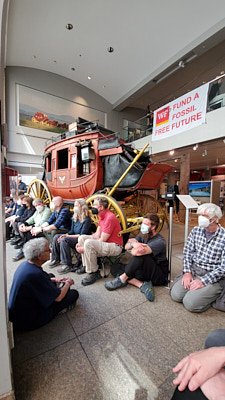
(113, 345)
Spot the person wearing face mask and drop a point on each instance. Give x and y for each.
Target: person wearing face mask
(149, 265)
(41, 214)
(106, 241)
(22, 187)
(200, 283)
(62, 244)
(58, 222)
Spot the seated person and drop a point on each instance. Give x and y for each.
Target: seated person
(29, 210)
(62, 244)
(41, 214)
(15, 213)
(203, 263)
(201, 374)
(34, 297)
(104, 242)
(59, 221)
(9, 206)
(149, 265)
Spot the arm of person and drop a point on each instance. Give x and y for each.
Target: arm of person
(65, 288)
(198, 367)
(104, 237)
(140, 249)
(129, 244)
(97, 234)
(214, 388)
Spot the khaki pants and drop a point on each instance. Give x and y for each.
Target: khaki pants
(94, 248)
(195, 300)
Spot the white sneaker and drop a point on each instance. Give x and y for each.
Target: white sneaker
(64, 269)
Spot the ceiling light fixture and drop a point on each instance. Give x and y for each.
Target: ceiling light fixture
(171, 152)
(34, 57)
(69, 27)
(204, 153)
(110, 49)
(195, 147)
(73, 69)
(89, 77)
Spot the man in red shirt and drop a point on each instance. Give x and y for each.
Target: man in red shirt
(104, 242)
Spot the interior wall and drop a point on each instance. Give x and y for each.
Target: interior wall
(26, 146)
(6, 389)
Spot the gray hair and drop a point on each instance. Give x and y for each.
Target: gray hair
(36, 201)
(33, 248)
(211, 209)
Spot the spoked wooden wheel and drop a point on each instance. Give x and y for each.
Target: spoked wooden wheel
(141, 204)
(39, 190)
(114, 206)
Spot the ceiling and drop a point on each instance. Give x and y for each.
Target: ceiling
(150, 38)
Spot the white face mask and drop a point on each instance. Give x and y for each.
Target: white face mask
(203, 222)
(52, 206)
(40, 208)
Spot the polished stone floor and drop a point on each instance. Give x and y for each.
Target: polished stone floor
(113, 345)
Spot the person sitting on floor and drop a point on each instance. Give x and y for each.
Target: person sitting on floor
(104, 242)
(201, 374)
(62, 244)
(59, 221)
(149, 265)
(17, 211)
(203, 263)
(29, 210)
(41, 214)
(35, 298)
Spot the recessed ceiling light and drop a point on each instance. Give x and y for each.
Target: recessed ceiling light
(171, 152)
(89, 77)
(110, 49)
(73, 69)
(69, 27)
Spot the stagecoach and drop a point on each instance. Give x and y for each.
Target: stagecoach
(93, 160)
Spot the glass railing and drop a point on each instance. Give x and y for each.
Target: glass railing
(143, 126)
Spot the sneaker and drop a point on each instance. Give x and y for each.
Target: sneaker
(91, 278)
(19, 244)
(64, 269)
(54, 263)
(81, 271)
(19, 256)
(15, 240)
(115, 284)
(69, 308)
(147, 289)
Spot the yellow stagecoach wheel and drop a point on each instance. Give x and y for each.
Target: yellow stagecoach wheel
(39, 190)
(114, 207)
(143, 204)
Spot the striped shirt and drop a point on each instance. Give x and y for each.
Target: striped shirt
(206, 254)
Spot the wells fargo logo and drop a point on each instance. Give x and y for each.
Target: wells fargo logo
(162, 116)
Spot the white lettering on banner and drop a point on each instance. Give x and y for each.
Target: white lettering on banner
(182, 114)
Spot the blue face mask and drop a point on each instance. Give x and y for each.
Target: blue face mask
(144, 228)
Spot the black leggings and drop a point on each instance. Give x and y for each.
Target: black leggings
(188, 395)
(144, 268)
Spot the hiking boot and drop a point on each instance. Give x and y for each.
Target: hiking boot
(115, 284)
(91, 278)
(147, 289)
(54, 263)
(64, 269)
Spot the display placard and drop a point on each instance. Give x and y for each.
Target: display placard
(187, 201)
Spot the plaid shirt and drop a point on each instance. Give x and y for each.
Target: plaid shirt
(208, 255)
(61, 219)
